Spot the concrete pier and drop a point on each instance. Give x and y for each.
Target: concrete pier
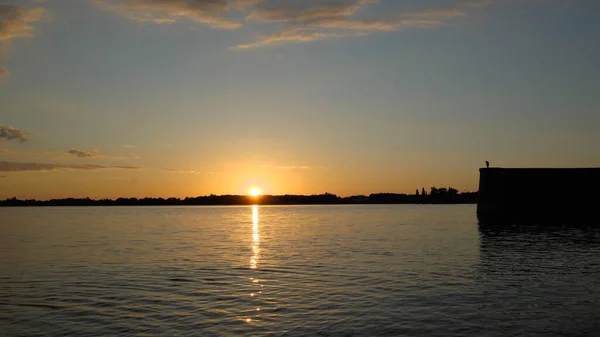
(544, 194)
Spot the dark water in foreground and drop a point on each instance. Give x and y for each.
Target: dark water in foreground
(398, 270)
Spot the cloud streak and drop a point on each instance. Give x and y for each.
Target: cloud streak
(338, 20)
(292, 35)
(10, 166)
(16, 22)
(293, 21)
(307, 12)
(82, 154)
(293, 167)
(11, 133)
(212, 13)
(183, 171)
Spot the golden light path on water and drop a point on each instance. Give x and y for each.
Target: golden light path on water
(255, 238)
(255, 253)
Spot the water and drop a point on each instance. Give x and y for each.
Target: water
(397, 270)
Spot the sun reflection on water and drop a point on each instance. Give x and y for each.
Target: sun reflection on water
(255, 239)
(255, 257)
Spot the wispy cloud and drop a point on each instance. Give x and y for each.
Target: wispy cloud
(11, 133)
(3, 151)
(212, 13)
(307, 11)
(292, 35)
(323, 21)
(16, 22)
(298, 21)
(292, 167)
(82, 154)
(98, 154)
(10, 166)
(184, 171)
(127, 146)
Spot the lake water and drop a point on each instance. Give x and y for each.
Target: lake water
(377, 270)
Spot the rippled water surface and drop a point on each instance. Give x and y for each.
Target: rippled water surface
(397, 270)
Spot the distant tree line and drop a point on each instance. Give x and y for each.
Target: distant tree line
(434, 196)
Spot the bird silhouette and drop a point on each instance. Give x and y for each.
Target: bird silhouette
(487, 164)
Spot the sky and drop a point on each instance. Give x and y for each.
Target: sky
(161, 98)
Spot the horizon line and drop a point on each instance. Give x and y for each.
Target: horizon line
(443, 190)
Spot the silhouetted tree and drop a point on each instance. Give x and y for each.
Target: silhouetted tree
(441, 195)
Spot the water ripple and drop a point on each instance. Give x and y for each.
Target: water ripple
(393, 270)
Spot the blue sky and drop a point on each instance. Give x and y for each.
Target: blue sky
(161, 98)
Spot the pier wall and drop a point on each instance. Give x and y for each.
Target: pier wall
(540, 193)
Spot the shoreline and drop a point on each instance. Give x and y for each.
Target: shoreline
(441, 196)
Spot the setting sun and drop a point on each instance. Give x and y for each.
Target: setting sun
(254, 191)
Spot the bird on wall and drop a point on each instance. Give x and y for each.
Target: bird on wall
(487, 164)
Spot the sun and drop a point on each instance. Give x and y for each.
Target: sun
(254, 192)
